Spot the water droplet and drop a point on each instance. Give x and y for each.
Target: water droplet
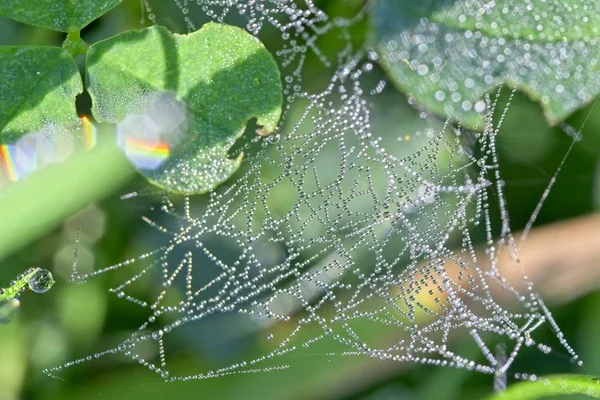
(157, 335)
(41, 281)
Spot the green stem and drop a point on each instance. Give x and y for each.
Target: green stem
(74, 44)
(18, 285)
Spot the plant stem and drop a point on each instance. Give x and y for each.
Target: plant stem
(18, 285)
(74, 44)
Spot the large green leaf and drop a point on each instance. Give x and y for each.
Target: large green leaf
(551, 386)
(38, 86)
(448, 53)
(60, 15)
(221, 75)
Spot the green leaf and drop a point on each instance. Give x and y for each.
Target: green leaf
(59, 15)
(539, 20)
(551, 386)
(447, 54)
(221, 76)
(38, 87)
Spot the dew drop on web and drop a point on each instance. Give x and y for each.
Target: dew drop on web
(157, 335)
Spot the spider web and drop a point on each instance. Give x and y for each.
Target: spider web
(338, 223)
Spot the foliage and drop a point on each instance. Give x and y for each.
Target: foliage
(222, 75)
(553, 385)
(447, 54)
(60, 15)
(67, 188)
(39, 86)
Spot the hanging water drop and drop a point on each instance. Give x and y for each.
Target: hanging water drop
(41, 281)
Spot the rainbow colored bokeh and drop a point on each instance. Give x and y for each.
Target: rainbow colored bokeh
(145, 153)
(90, 133)
(34, 151)
(148, 138)
(7, 162)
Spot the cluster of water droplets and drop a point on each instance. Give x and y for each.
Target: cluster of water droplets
(37, 280)
(468, 47)
(341, 224)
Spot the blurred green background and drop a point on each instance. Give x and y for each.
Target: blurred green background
(40, 217)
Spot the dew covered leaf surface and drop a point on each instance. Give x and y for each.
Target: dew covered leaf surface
(37, 91)
(551, 386)
(222, 75)
(59, 15)
(447, 54)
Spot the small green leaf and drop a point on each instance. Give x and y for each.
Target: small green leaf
(220, 76)
(447, 54)
(551, 386)
(38, 86)
(59, 15)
